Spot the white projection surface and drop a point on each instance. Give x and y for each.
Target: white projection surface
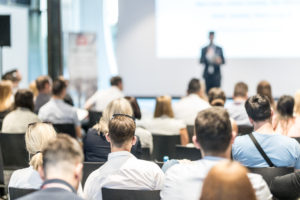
(244, 28)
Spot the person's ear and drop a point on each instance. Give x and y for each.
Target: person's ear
(78, 171)
(197, 145)
(107, 138)
(251, 120)
(134, 140)
(41, 173)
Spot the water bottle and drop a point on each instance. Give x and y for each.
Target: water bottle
(166, 159)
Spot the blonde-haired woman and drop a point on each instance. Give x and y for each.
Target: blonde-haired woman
(96, 147)
(227, 180)
(36, 138)
(6, 102)
(164, 122)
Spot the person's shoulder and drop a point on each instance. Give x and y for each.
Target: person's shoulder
(241, 141)
(146, 165)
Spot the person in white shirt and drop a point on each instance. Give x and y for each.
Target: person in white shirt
(188, 107)
(237, 109)
(164, 123)
(214, 139)
(101, 99)
(123, 170)
(36, 138)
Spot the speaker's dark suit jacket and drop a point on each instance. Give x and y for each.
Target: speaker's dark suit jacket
(214, 79)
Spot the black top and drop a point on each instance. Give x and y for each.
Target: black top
(41, 100)
(97, 148)
(53, 193)
(203, 60)
(287, 186)
(4, 113)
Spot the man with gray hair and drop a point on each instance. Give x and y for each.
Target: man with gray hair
(61, 171)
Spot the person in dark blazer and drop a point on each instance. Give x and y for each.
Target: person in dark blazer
(62, 170)
(212, 58)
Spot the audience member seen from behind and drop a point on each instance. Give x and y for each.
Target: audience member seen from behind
(96, 147)
(15, 77)
(37, 137)
(237, 109)
(101, 99)
(213, 136)
(264, 88)
(61, 170)
(57, 111)
(281, 150)
(144, 135)
(217, 97)
(17, 121)
(284, 121)
(123, 170)
(44, 86)
(188, 107)
(164, 123)
(227, 180)
(6, 100)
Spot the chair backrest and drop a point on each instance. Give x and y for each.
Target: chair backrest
(190, 130)
(14, 153)
(94, 117)
(88, 168)
(15, 193)
(190, 153)
(164, 145)
(65, 128)
(1, 122)
(146, 153)
(117, 194)
(269, 173)
(298, 139)
(244, 129)
(1, 169)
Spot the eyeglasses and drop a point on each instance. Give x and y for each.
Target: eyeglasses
(115, 115)
(34, 123)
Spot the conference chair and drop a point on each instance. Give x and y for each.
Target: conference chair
(190, 153)
(117, 194)
(146, 153)
(2, 182)
(190, 130)
(298, 139)
(15, 193)
(164, 145)
(1, 121)
(269, 173)
(244, 129)
(65, 128)
(94, 117)
(14, 153)
(88, 168)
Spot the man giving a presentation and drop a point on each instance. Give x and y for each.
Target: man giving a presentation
(212, 58)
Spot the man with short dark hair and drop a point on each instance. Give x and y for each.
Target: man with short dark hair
(102, 98)
(188, 107)
(281, 150)
(44, 86)
(61, 171)
(57, 111)
(237, 109)
(123, 170)
(214, 138)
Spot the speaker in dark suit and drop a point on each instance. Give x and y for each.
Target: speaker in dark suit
(212, 58)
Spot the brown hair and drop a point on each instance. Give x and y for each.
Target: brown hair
(5, 94)
(264, 88)
(135, 107)
(163, 107)
(121, 129)
(61, 150)
(115, 80)
(213, 130)
(24, 99)
(227, 180)
(240, 89)
(297, 103)
(216, 97)
(258, 108)
(41, 82)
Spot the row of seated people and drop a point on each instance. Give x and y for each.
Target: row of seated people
(213, 135)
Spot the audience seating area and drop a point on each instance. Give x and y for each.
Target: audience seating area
(115, 194)
(15, 193)
(164, 145)
(65, 128)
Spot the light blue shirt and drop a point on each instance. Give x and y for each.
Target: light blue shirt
(238, 112)
(57, 111)
(282, 150)
(184, 181)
